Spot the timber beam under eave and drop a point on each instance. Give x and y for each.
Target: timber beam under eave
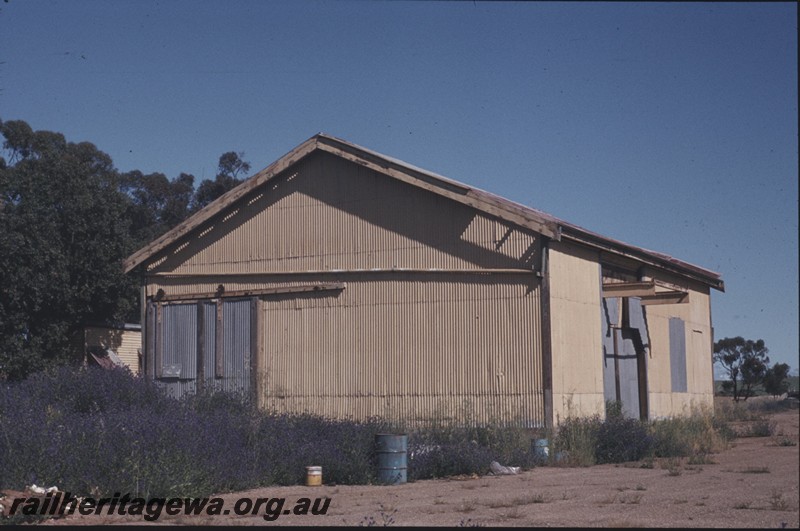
(666, 297)
(629, 289)
(263, 292)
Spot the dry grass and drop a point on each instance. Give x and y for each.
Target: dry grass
(631, 498)
(755, 470)
(672, 465)
(778, 502)
(608, 500)
(466, 506)
(515, 502)
(513, 514)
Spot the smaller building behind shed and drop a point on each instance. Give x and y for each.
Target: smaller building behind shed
(110, 345)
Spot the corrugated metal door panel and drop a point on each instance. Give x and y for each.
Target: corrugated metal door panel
(677, 354)
(637, 321)
(628, 374)
(209, 342)
(179, 328)
(150, 341)
(610, 308)
(177, 335)
(236, 345)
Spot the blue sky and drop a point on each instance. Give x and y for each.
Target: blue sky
(672, 126)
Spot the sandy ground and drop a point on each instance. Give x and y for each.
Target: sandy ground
(754, 484)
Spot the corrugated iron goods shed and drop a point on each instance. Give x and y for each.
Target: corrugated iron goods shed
(346, 283)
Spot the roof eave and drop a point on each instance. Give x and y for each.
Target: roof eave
(192, 222)
(638, 254)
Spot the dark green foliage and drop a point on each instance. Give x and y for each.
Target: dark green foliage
(745, 361)
(621, 439)
(585, 441)
(67, 221)
(430, 457)
(775, 379)
(157, 204)
(230, 173)
(444, 449)
(285, 444)
(64, 234)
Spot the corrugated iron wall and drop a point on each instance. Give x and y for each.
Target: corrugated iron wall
(128, 351)
(409, 348)
(329, 214)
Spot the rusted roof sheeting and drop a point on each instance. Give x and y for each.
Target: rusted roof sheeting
(492, 204)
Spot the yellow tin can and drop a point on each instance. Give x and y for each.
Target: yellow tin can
(313, 476)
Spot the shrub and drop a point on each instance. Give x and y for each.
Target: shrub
(446, 448)
(621, 439)
(427, 459)
(759, 428)
(91, 431)
(344, 449)
(65, 427)
(97, 432)
(588, 440)
(508, 445)
(696, 435)
(576, 440)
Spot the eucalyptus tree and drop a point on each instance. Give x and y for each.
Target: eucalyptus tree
(64, 228)
(745, 361)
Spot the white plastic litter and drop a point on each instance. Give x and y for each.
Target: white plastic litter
(41, 490)
(500, 470)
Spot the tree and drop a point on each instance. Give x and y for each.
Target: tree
(231, 171)
(745, 361)
(67, 221)
(157, 204)
(775, 379)
(64, 229)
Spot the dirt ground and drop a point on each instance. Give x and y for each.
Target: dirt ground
(754, 484)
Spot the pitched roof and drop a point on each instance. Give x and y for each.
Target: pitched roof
(492, 204)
